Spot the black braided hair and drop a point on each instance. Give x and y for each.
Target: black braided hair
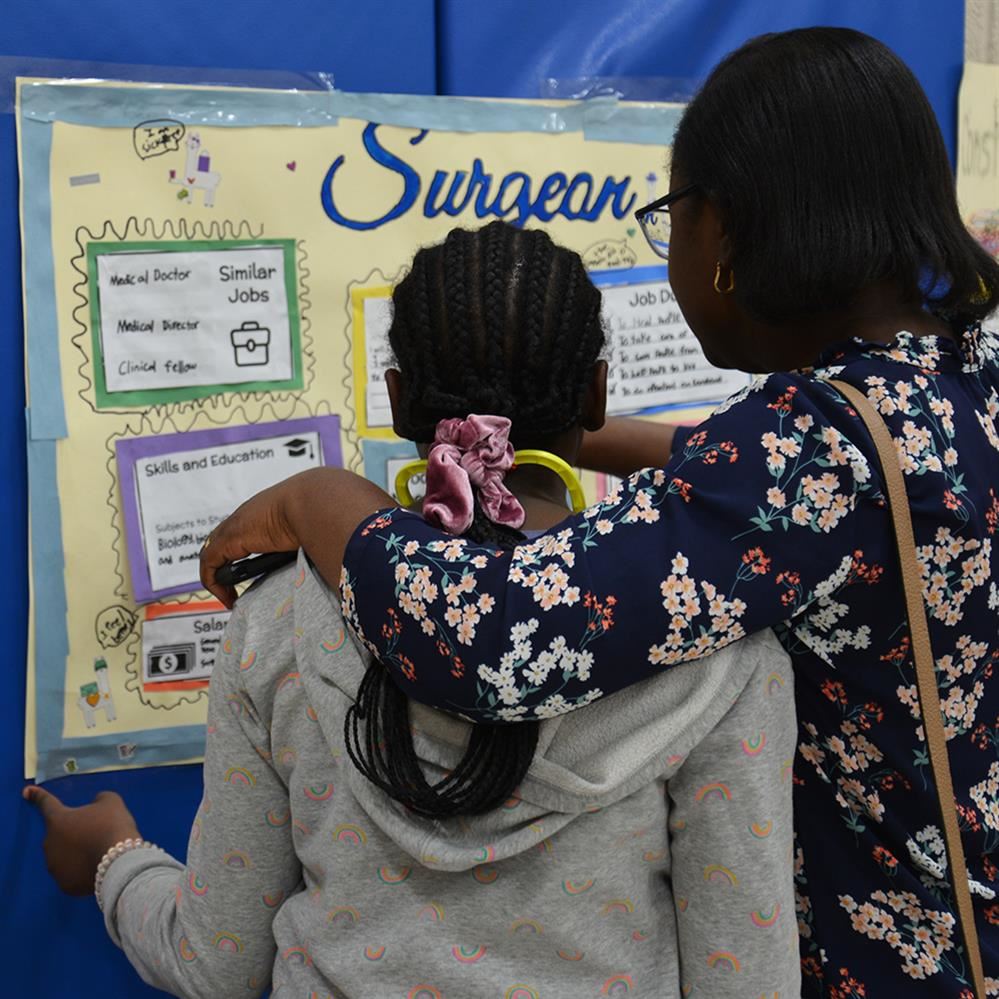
(497, 321)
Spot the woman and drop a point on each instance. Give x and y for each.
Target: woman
(815, 234)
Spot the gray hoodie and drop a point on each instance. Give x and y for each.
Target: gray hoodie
(647, 853)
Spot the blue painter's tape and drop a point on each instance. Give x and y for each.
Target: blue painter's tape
(459, 114)
(378, 453)
(48, 562)
(125, 107)
(152, 746)
(48, 416)
(607, 120)
(84, 104)
(666, 407)
(610, 120)
(630, 275)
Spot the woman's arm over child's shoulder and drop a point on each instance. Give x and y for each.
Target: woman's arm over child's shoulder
(756, 516)
(205, 930)
(731, 843)
(625, 444)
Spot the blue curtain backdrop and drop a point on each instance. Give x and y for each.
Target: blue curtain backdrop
(507, 48)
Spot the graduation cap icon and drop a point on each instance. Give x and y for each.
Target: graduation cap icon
(298, 447)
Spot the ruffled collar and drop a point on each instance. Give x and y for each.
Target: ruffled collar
(927, 353)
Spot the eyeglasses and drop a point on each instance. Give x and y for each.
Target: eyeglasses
(655, 220)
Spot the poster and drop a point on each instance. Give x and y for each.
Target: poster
(179, 320)
(371, 310)
(179, 643)
(176, 487)
(978, 153)
(207, 281)
(654, 360)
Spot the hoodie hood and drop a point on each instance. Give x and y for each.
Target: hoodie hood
(585, 761)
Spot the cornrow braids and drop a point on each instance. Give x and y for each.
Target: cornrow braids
(454, 258)
(561, 366)
(489, 354)
(500, 321)
(542, 273)
(515, 297)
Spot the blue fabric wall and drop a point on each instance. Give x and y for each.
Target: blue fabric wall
(52, 945)
(510, 46)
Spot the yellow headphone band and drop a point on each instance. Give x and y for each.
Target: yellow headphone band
(402, 478)
(561, 468)
(528, 457)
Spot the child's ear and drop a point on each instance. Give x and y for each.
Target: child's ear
(594, 411)
(396, 394)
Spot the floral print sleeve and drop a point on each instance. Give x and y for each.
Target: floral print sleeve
(753, 521)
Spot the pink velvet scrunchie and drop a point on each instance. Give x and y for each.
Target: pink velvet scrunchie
(469, 455)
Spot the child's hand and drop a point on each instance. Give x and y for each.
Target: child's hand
(260, 525)
(77, 838)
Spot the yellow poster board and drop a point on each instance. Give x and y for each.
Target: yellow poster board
(978, 152)
(207, 277)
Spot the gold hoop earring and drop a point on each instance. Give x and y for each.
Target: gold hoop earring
(731, 281)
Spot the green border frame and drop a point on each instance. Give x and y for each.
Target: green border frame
(152, 397)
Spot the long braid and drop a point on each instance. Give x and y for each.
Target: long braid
(497, 321)
(379, 739)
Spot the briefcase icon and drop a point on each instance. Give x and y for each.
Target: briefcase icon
(251, 344)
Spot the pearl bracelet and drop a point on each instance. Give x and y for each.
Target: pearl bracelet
(121, 847)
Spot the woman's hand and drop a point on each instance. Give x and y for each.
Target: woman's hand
(77, 838)
(260, 525)
(317, 510)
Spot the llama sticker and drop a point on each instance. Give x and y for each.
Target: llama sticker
(198, 174)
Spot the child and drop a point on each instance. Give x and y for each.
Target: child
(640, 844)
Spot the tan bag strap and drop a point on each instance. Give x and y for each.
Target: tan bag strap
(926, 682)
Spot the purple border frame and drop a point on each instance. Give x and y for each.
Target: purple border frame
(130, 449)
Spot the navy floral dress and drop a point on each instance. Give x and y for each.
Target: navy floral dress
(769, 514)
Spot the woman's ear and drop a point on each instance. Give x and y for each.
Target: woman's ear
(718, 231)
(725, 249)
(594, 410)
